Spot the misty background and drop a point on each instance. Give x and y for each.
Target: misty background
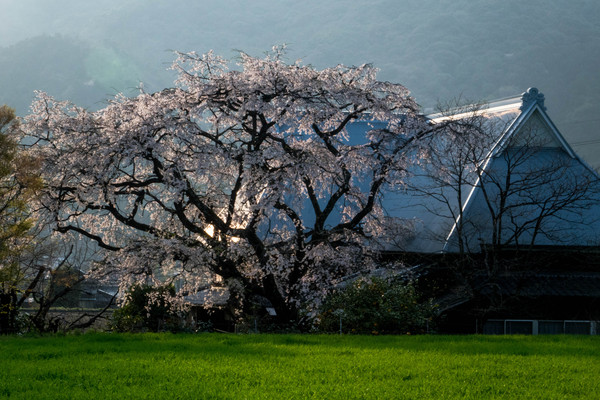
(479, 50)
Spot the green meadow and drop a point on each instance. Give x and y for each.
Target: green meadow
(227, 366)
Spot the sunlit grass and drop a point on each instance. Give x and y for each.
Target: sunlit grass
(215, 366)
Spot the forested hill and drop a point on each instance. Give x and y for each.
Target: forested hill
(439, 49)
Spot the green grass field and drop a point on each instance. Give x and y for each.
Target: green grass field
(218, 366)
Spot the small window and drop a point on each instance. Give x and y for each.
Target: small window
(493, 327)
(551, 327)
(577, 327)
(519, 327)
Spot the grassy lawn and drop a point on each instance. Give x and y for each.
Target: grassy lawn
(218, 366)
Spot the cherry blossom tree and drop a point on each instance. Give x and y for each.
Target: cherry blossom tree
(244, 178)
(35, 271)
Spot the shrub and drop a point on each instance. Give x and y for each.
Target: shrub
(376, 306)
(147, 308)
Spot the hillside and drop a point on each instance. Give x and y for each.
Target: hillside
(487, 49)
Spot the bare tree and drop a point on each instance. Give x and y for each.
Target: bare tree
(503, 185)
(54, 280)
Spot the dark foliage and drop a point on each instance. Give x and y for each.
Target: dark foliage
(147, 308)
(376, 306)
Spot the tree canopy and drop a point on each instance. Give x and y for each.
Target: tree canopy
(18, 184)
(247, 178)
